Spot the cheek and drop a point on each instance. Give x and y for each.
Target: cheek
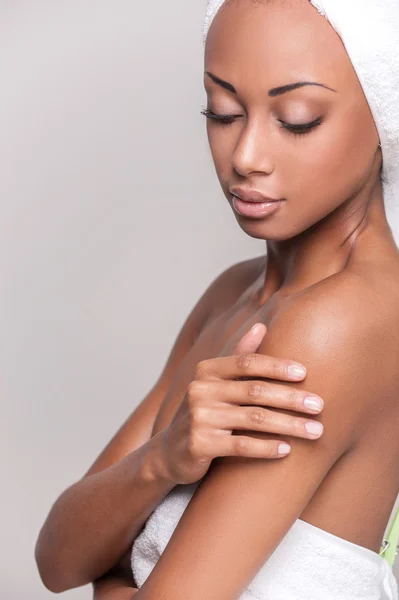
(333, 160)
(222, 142)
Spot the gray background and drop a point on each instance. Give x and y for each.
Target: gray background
(112, 225)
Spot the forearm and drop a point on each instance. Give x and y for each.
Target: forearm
(95, 521)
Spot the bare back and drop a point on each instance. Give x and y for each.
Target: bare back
(356, 498)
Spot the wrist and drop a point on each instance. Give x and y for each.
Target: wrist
(153, 466)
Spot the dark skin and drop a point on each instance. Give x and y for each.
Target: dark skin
(328, 246)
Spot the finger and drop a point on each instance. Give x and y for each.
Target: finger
(262, 420)
(242, 445)
(262, 393)
(248, 365)
(251, 340)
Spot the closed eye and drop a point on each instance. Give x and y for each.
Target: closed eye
(300, 128)
(295, 128)
(225, 119)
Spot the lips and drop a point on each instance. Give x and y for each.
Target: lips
(252, 195)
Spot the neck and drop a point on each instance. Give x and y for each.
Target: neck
(325, 248)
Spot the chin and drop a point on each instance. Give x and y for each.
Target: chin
(267, 231)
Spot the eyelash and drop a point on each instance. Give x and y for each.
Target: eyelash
(297, 129)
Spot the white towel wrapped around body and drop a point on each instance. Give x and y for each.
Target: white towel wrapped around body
(308, 564)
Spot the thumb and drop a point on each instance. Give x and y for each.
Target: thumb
(251, 340)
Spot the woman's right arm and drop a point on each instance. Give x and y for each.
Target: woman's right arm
(94, 522)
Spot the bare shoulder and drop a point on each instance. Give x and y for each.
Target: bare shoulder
(365, 298)
(232, 283)
(350, 321)
(242, 273)
(344, 331)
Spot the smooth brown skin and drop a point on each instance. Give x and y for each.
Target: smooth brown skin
(328, 246)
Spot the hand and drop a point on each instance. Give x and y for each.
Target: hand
(216, 403)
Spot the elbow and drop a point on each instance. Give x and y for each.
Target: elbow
(47, 573)
(49, 582)
(53, 576)
(57, 563)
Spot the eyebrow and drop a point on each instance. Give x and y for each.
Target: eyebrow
(277, 91)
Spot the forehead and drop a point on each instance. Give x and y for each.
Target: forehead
(254, 41)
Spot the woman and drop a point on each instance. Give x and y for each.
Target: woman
(287, 119)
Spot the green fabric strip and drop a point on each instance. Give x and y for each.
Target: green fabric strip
(392, 537)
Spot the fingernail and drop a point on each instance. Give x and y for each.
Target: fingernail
(314, 427)
(284, 449)
(255, 327)
(296, 371)
(313, 403)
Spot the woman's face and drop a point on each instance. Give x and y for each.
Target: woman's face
(314, 147)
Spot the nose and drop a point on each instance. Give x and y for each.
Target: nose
(252, 153)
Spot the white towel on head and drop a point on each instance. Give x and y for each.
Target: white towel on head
(369, 30)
